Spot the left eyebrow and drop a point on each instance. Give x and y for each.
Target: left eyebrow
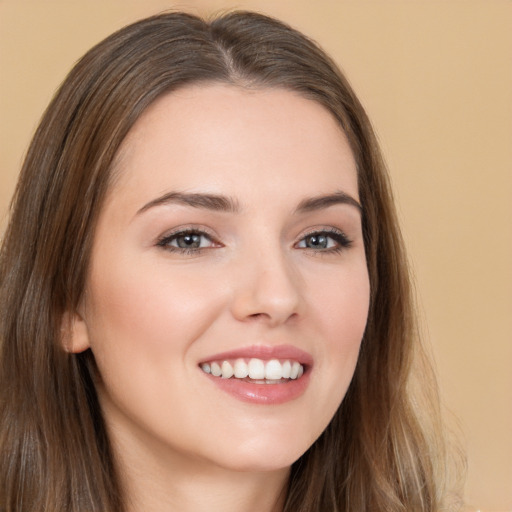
(321, 202)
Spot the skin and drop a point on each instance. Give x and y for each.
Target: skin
(151, 314)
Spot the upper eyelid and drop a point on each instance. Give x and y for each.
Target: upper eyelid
(186, 229)
(323, 229)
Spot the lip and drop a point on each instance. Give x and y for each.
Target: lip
(266, 353)
(269, 394)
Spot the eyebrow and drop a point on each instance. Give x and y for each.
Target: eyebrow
(211, 202)
(221, 203)
(325, 201)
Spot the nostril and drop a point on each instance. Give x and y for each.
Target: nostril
(258, 315)
(270, 319)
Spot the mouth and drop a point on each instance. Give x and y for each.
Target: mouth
(260, 374)
(255, 370)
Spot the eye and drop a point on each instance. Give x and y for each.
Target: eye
(331, 240)
(186, 241)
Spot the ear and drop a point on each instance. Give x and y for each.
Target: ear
(74, 333)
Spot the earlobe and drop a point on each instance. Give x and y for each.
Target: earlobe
(74, 333)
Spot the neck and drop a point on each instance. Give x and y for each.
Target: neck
(155, 481)
(212, 492)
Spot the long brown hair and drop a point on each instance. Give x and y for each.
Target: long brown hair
(375, 455)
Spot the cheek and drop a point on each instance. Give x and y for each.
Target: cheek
(143, 320)
(341, 312)
(341, 302)
(148, 309)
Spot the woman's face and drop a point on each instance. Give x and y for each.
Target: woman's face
(230, 242)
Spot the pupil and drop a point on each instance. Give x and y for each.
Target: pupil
(189, 241)
(317, 241)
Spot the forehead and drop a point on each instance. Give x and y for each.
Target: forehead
(204, 137)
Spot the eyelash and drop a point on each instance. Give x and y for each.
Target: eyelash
(341, 240)
(165, 241)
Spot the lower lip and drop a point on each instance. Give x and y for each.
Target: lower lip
(271, 394)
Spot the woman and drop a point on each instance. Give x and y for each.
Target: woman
(205, 301)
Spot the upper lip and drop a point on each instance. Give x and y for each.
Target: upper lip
(265, 352)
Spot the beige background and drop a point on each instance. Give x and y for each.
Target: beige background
(436, 78)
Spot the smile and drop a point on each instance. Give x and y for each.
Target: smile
(260, 374)
(255, 370)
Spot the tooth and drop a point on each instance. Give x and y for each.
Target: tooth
(216, 370)
(270, 372)
(241, 369)
(227, 370)
(294, 372)
(256, 369)
(273, 370)
(287, 368)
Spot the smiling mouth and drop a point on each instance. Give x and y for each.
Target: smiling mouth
(254, 370)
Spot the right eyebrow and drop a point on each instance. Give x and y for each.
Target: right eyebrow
(211, 202)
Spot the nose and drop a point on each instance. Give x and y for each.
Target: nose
(267, 289)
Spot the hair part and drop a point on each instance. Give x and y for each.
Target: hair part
(375, 455)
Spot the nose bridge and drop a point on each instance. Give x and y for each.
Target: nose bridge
(268, 286)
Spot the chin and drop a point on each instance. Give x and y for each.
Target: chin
(264, 457)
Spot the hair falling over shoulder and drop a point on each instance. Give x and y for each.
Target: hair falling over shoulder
(384, 450)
